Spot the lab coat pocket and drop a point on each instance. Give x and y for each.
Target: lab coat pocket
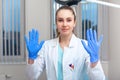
(71, 67)
(71, 71)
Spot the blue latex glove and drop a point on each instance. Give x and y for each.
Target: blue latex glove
(93, 45)
(32, 44)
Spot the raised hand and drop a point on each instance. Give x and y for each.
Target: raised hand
(33, 44)
(93, 45)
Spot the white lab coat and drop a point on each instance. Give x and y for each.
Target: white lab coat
(74, 54)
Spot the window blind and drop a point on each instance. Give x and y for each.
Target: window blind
(12, 31)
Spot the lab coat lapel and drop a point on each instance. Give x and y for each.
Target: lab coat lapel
(73, 41)
(55, 55)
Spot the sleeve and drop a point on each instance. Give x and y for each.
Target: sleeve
(95, 73)
(33, 71)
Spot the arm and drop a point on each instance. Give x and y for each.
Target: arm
(32, 44)
(34, 70)
(93, 46)
(92, 65)
(95, 70)
(30, 61)
(35, 64)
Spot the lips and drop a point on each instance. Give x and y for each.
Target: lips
(65, 30)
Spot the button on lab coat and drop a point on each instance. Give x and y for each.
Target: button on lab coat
(74, 55)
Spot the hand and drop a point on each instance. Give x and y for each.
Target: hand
(93, 45)
(32, 44)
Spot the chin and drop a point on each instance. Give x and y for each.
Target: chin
(65, 34)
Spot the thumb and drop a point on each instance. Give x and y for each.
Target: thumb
(41, 44)
(101, 39)
(84, 45)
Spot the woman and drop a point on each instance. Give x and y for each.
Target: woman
(65, 57)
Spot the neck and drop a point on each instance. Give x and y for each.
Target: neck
(65, 40)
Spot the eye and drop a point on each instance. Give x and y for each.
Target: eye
(69, 20)
(60, 20)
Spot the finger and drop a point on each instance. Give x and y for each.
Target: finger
(91, 34)
(86, 47)
(100, 40)
(88, 35)
(41, 44)
(95, 36)
(37, 36)
(30, 35)
(33, 34)
(84, 44)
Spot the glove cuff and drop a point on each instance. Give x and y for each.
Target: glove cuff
(93, 60)
(33, 57)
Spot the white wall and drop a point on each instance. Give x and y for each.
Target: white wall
(38, 17)
(114, 42)
(112, 67)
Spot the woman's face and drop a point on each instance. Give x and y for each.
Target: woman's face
(65, 22)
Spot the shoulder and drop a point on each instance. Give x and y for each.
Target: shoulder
(79, 40)
(80, 46)
(51, 42)
(48, 44)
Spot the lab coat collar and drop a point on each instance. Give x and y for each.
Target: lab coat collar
(73, 41)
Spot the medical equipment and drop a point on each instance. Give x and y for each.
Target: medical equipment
(75, 2)
(68, 2)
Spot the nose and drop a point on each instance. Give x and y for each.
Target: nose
(64, 23)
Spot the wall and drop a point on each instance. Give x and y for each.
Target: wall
(38, 17)
(114, 42)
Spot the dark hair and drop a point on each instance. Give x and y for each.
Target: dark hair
(65, 7)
